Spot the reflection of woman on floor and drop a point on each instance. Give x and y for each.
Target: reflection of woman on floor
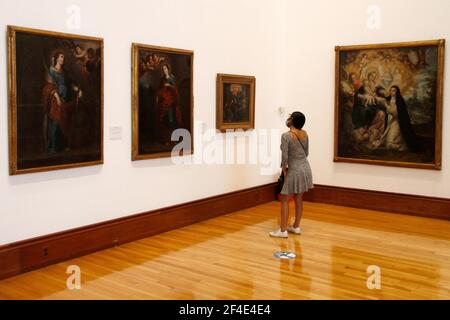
(400, 133)
(58, 97)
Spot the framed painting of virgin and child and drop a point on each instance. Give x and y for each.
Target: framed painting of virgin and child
(162, 100)
(55, 100)
(388, 104)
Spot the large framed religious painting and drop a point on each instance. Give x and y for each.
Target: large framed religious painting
(162, 101)
(388, 104)
(235, 106)
(55, 100)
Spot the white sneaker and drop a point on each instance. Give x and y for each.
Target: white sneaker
(291, 229)
(279, 234)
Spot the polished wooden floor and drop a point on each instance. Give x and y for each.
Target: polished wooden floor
(231, 257)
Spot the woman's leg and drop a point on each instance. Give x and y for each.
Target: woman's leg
(298, 209)
(284, 212)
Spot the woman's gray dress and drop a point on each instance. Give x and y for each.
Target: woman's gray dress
(294, 154)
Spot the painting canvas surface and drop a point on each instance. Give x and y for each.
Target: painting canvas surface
(388, 104)
(236, 106)
(164, 99)
(57, 103)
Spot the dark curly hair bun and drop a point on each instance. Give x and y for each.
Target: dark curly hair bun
(298, 119)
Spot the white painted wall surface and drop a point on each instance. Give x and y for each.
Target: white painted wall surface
(236, 37)
(314, 29)
(288, 45)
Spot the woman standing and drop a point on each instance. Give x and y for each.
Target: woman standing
(297, 173)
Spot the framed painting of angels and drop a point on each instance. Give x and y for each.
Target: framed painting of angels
(55, 100)
(162, 100)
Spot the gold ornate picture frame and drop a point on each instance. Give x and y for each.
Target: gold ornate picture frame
(388, 104)
(235, 105)
(55, 100)
(162, 100)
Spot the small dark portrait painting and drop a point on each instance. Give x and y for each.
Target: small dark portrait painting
(235, 102)
(162, 99)
(56, 100)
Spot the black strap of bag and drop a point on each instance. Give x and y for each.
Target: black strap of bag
(299, 140)
(280, 183)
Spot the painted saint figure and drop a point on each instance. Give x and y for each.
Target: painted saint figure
(59, 98)
(369, 116)
(167, 102)
(400, 132)
(235, 108)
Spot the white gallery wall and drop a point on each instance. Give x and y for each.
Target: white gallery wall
(287, 45)
(314, 29)
(236, 37)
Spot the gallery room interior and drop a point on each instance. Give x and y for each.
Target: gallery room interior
(153, 149)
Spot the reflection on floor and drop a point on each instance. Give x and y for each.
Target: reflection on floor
(231, 257)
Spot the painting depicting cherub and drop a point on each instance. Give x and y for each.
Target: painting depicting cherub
(162, 99)
(56, 100)
(389, 104)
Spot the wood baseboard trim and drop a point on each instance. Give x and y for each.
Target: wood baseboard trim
(28, 255)
(429, 207)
